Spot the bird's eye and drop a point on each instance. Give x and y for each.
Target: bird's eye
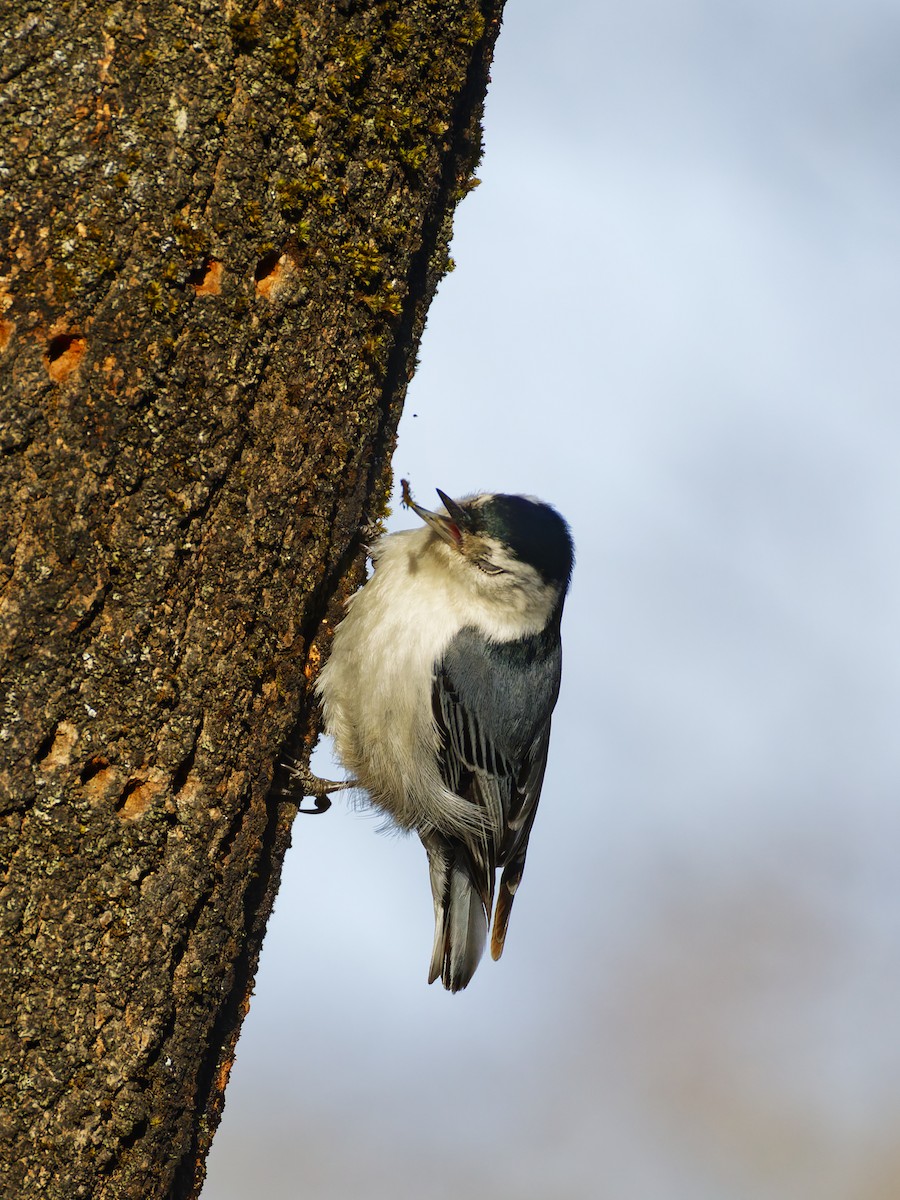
(488, 567)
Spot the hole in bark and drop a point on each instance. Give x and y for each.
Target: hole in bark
(267, 265)
(56, 748)
(268, 272)
(207, 280)
(6, 332)
(92, 767)
(45, 747)
(137, 796)
(64, 353)
(58, 346)
(131, 786)
(131, 801)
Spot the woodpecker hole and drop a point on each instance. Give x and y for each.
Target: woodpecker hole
(207, 280)
(268, 273)
(56, 749)
(64, 353)
(136, 797)
(6, 332)
(102, 782)
(94, 765)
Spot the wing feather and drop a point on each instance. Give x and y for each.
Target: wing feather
(491, 705)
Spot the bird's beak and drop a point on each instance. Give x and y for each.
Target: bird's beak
(449, 527)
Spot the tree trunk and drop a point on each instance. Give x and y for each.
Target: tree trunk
(222, 228)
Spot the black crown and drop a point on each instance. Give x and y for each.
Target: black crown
(534, 532)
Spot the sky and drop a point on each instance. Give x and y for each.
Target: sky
(675, 316)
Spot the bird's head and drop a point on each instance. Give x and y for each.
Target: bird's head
(509, 543)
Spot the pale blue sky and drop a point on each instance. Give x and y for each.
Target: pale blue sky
(675, 315)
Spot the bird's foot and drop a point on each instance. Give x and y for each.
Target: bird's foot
(303, 783)
(370, 531)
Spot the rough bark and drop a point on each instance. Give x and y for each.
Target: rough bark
(221, 228)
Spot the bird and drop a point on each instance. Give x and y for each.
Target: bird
(438, 694)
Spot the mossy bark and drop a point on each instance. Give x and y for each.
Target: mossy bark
(221, 229)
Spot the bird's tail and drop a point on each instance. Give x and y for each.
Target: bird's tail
(462, 891)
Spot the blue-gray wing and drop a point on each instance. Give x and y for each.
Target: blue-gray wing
(492, 704)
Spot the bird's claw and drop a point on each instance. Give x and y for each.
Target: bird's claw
(302, 780)
(321, 804)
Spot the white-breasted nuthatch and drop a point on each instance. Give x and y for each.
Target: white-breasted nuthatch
(438, 695)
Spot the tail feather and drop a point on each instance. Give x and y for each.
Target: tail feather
(460, 915)
(509, 882)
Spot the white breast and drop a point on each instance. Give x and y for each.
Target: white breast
(376, 686)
